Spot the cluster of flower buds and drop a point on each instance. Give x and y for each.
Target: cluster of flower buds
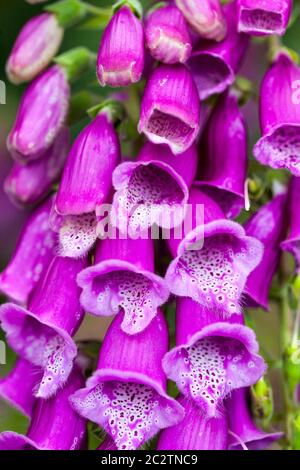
(88, 245)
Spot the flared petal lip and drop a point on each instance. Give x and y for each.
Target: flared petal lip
(251, 300)
(9, 309)
(19, 438)
(108, 266)
(289, 244)
(108, 375)
(238, 195)
(14, 404)
(257, 440)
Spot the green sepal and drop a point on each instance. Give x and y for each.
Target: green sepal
(67, 12)
(114, 110)
(134, 5)
(76, 61)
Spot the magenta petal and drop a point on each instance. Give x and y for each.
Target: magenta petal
(214, 65)
(27, 184)
(35, 249)
(170, 108)
(195, 431)
(154, 189)
(121, 54)
(127, 394)
(260, 18)
(292, 243)
(41, 114)
(17, 387)
(54, 425)
(242, 425)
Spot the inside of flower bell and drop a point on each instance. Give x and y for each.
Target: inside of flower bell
(262, 21)
(77, 234)
(281, 149)
(230, 202)
(210, 73)
(130, 292)
(149, 191)
(169, 128)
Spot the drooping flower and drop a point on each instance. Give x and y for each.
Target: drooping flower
(170, 108)
(292, 243)
(268, 225)
(42, 334)
(213, 260)
(27, 184)
(41, 115)
(153, 189)
(195, 431)
(211, 358)
(279, 146)
(34, 48)
(86, 183)
(205, 17)
(127, 394)
(224, 156)
(167, 34)
(18, 386)
(123, 280)
(54, 424)
(121, 54)
(214, 65)
(34, 251)
(260, 18)
(242, 427)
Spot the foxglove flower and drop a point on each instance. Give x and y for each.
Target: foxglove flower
(54, 424)
(195, 431)
(279, 146)
(205, 17)
(41, 114)
(154, 189)
(224, 156)
(42, 334)
(170, 108)
(18, 386)
(212, 262)
(214, 65)
(243, 429)
(34, 48)
(292, 243)
(260, 18)
(122, 280)
(268, 225)
(167, 34)
(211, 359)
(121, 54)
(27, 184)
(85, 184)
(35, 249)
(126, 395)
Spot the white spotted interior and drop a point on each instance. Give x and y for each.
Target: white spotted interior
(261, 20)
(77, 234)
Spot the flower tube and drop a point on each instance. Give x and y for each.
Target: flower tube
(242, 426)
(213, 260)
(153, 189)
(260, 18)
(195, 431)
(211, 359)
(205, 17)
(36, 45)
(18, 386)
(42, 334)
(214, 65)
(167, 34)
(86, 183)
(41, 115)
(279, 110)
(27, 184)
(126, 395)
(121, 54)
(54, 424)
(122, 280)
(224, 156)
(35, 249)
(268, 225)
(292, 243)
(170, 108)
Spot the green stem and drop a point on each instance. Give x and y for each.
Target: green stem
(96, 10)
